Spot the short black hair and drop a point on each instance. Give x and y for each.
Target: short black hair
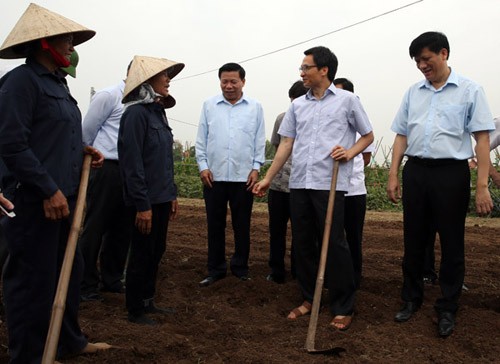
(346, 84)
(298, 89)
(435, 41)
(231, 67)
(323, 57)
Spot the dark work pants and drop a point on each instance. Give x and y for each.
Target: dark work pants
(36, 251)
(354, 220)
(146, 252)
(278, 204)
(308, 212)
(106, 231)
(240, 202)
(435, 194)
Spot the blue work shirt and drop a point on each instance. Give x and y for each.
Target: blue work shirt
(102, 121)
(438, 123)
(145, 143)
(316, 127)
(40, 131)
(231, 138)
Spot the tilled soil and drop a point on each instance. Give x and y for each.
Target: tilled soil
(245, 322)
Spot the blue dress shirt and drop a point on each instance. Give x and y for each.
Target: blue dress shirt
(438, 123)
(317, 126)
(231, 139)
(101, 124)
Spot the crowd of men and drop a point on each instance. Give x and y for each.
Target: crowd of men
(132, 194)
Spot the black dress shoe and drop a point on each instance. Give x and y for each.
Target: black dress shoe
(160, 310)
(446, 323)
(141, 319)
(210, 280)
(406, 311)
(91, 296)
(275, 278)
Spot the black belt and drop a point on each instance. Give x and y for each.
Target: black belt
(112, 161)
(436, 162)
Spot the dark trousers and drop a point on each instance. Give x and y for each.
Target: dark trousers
(36, 251)
(354, 220)
(436, 194)
(106, 231)
(430, 257)
(146, 252)
(240, 202)
(278, 204)
(308, 212)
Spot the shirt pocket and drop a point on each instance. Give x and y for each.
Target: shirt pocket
(56, 105)
(451, 118)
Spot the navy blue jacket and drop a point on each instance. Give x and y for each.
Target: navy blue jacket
(40, 131)
(145, 143)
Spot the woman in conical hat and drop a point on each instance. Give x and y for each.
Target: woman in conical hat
(145, 152)
(41, 145)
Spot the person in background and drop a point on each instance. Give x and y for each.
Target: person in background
(433, 127)
(355, 199)
(319, 127)
(278, 202)
(41, 145)
(145, 142)
(106, 232)
(230, 149)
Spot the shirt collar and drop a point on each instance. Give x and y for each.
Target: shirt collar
(220, 98)
(330, 90)
(452, 79)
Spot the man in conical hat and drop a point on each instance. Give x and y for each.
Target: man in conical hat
(145, 152)
(41, 145)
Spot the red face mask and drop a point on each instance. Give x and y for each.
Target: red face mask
(58, 58)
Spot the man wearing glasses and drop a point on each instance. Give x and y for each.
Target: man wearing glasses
(321, 126)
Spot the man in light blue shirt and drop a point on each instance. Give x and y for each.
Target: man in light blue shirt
(433, 128)
(230, 149)
(105, 236)
(319, 127)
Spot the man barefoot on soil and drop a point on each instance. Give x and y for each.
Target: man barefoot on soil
(319, 127)
(433, 127)
(41, 145)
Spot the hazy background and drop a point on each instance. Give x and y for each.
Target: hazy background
(204, 34)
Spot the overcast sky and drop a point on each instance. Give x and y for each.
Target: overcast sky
(204, 34)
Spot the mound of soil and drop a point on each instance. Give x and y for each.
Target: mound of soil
(245, 322)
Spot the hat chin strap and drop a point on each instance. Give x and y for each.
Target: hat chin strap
(60, 60)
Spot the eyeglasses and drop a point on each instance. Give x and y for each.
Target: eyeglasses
(306, 67)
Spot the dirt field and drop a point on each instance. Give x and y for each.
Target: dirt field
(245, 322)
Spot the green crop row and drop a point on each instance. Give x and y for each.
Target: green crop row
(189, 185)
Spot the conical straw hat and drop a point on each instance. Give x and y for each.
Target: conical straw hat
(38, 23)
(143, 68)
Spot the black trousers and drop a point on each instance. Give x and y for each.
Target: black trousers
(354, 220)
(435, 194)
(106, 230)
(240, 202)
(430, 257)
(278, 204)
(308, 212)
(36, 251)
(146, 252)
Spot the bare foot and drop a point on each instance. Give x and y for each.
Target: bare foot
(341, 323)
(302, 310)
(92, 348)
